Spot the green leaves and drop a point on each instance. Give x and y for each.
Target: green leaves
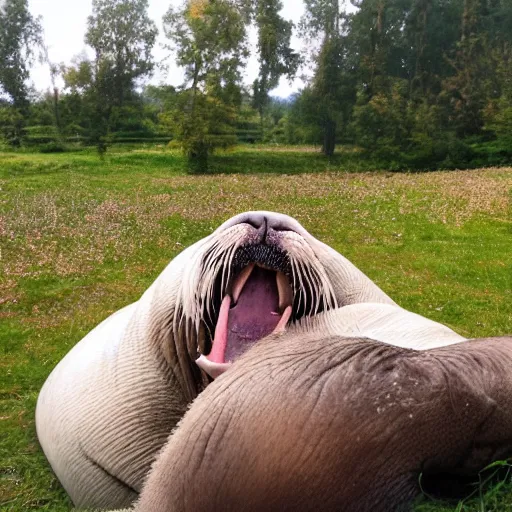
(20, 39)
(122, 36)
(333, 85)
(207, 38)
(275, 55)
(209, 41)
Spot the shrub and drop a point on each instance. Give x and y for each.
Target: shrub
(53, 147)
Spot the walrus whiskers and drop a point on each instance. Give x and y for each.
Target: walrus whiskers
(309, 279)
(196, 310)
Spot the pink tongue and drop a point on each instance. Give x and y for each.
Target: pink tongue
(255, 315)
(252, 318)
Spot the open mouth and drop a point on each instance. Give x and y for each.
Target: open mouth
(258, 302)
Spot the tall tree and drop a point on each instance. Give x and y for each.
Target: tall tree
(21, 37)
(430, 32)
(378, 37)
(498, 112)
(122, 37)
(209, 41)
(276, 57)
(79, 103)
(333, 83)
(472, 84)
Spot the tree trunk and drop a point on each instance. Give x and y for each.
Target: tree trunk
(56, 110)
(421, 37)
(329, 138)
(375, 51)
(260, 110)
(198, 159)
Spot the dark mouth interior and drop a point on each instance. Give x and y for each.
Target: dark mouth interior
(255, 315)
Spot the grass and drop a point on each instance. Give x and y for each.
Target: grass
(81, 237)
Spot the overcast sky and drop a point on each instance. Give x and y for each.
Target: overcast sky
(64, 23)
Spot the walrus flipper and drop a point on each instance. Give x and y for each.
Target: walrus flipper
(479, 386)
(306, 422)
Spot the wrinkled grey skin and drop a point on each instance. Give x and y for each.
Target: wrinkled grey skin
(109, 406)
(309, 421)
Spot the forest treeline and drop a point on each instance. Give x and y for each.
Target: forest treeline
(409, 83)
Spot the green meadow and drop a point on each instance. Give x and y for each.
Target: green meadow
(81, 237)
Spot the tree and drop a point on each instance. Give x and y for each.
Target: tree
(402, 50)
(469, 87)
(498, 111)
(20, 39)
(209, 41)
(333, 85)
(275, 54)
(304, 121)
(79, 104)
(122, 37)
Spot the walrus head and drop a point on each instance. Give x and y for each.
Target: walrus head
(255, 274)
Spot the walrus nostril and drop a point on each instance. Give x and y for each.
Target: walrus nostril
(279, 227)
(260, 223)
(279, 223)
(253, 224)
(256, 220)
(264, 223)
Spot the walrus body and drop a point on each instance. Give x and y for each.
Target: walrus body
(110, 404)
(309, 421)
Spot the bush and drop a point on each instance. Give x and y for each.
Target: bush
(174, 144)
(53, 147)
(12, 125)
(459, 154)
(492, 153)
(429, 153)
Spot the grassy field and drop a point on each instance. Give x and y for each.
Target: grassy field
(80, 238)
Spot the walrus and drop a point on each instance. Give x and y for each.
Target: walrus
(318, 420)
(109, 406)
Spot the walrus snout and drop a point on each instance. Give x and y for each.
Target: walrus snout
(265, 222)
